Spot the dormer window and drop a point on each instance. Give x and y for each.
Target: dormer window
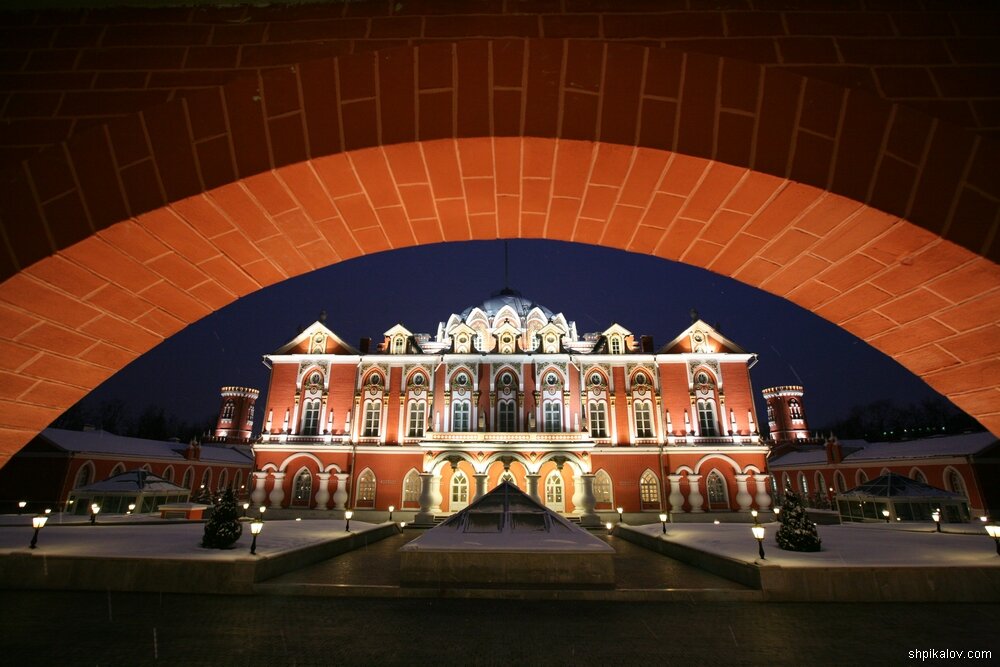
(616, 345)
(398, 345)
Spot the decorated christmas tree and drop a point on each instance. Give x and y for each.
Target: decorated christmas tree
(223, 528)
(797, 532)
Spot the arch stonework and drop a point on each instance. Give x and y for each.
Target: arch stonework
(879, 218)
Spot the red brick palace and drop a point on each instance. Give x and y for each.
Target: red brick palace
(508, 389)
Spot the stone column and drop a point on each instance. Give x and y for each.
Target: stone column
(578, 495)
(743, 498)
(323, 495)
(430, 497)
(258, 495)
(340, 495)
(278, 492)
(676, 498)
(481, 478)
(532, 481)
(587, 501)
(763, 498)
(695, 498)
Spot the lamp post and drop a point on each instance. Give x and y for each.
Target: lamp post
(619, 510)
(994, 532)
(754, 514)
(609, 526)
(885, 513)
(246, 506)
(131, 508)
(38, 523)
(20, 506)
(663, 520)
(392, 508)
(777, 513)
(402, 525)
(347, 515)
(95, 509)
(758, 534)
(262, 510)
(936, 515)
(255, 528)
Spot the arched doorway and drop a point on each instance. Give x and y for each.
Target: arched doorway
(459, 496)
(554, 494)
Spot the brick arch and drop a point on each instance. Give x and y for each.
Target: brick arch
(864, 212)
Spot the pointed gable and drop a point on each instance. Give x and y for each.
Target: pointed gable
(700, 338)
(316, 339)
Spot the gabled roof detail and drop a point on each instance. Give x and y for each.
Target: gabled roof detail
(334, 344)
(398, 329)
(616, 328)
(700, 332)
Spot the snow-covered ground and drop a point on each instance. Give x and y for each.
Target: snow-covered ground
(166, 540)
(850, 545)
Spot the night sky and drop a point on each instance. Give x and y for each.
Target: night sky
(419, 287)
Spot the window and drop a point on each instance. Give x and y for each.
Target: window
(554, 491)
(643, 420)
(373, 416)
(505, 416)
(117, 470)
(366, 489)
(706, 418)
(552, 412)
(461, 416)
(411, 487)
(398, 345)
(616, 345)
(551, 380)
(223, 478)
(803, 484)
(794, 409)
(820, 483)
(85, 475)
(506, 379)
(716, 489)
(418, 380)
(598, 420)
(918, 475)
(310, 417)
(168, 473)
(649, 489)
(250, 415)
(602, 487)
(596, 379)
(188, 477)
(237, 480)
(953, 480)
(838, 480)
(770, 413)
(459, 491)
(206, 478)
(417, 419)
(227, 411)
(461, 379)
(861, 477)
(302, 489)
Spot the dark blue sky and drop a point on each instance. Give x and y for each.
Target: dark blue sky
(419, 287)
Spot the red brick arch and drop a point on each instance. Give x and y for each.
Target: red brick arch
(879, 218)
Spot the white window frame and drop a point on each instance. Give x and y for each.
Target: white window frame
(371, 425)
(416, 419)
(552, 417)
(598, 418)
(643, 419)
(461, 416)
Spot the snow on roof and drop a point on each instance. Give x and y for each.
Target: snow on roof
(133, 481)
(102, 442)
(507, 519)
(800, 457)
(965, 444)
(897, 486)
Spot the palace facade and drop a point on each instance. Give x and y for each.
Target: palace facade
(509, 390)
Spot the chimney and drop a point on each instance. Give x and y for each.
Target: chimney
(646, 342)
(365, 345)
(834, 454)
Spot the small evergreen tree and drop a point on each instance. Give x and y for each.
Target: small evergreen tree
(205, 496)
(797, 532)
(224, 527)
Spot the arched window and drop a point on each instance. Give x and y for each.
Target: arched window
(794, 409)
(598, 419)
(616, 345)
(146, 467)
(188, 478)
(84, 476)
(117, 470)
(461, 418)
(954, 482)
(250, 415)
(918, 475)
(552, 413)
(717, 492)
(372, 420)
(302, 488)
(238, 480)
(786, 483)
(706, 418)
(770, 413)
(649, 490)
(506, 421)
(820, 483)
(643, 419)
(206, 478)
(803, 484)
(223, 478)
(398, 345)
(366, 489)
(310, 417)
(168, 473)
(860, 477)
(417, 419)
(227, 411)
(603, 489)
(411, 488)
(507, 476)
(554, 492)
(838, 480)
(459, 491)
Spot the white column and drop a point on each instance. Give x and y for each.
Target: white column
(743, 498)
(481, 478)
(323, 495)
(278, 492)
(430, 497)
(588, 501)
(340, 495)
(532, 480)
(762, 498)
(676, 498)
(695, 498)
(578, 494)
(258, 495)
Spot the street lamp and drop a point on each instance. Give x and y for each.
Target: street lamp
(38, 523)
(609, 526)
(20, 506)
(347, 515)
(885, 513)
(392, 508)
(95, 509)
(758, 534)
(777, 513)
(246, 506)
(936, 515)
(620, 510)
(994, 532)
(262, 510)
(663, 520)
(754, 514)
(402, 525)
(131, 508)
(255, 528)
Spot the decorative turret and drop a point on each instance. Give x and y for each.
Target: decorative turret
(236, 414)
(786, 417)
